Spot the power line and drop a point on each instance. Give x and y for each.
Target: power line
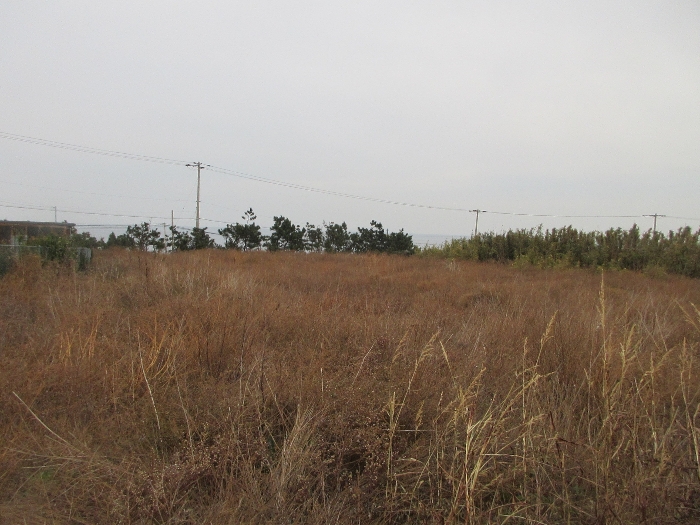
(563, 216)
(92, 192)
(223, 171)
(215, 220)
(103, 225)
(151, 217)
(54, 208)
(291, 185)
(681, 218)
(109, 194)
(87, 149)
(313, 189)
(51, 208)
(41, 208)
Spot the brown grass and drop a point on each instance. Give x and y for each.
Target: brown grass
(224, 387)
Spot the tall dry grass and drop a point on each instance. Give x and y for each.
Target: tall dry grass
(223, 387)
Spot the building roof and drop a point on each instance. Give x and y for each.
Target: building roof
(40, 224)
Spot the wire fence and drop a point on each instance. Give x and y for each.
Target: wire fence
(11, 254)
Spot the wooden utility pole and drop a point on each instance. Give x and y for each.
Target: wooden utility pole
(655, 215)
(476, 225)
(199, 172)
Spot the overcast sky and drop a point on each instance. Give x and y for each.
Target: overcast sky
(555, 108)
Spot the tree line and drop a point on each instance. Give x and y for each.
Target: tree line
(677, 252)
(284, 235)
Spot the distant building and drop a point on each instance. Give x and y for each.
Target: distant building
(12, 232)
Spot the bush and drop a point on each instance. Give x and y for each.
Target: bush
(679, 252)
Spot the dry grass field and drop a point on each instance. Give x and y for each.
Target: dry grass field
(225, 387)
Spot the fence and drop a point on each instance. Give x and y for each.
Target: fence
(10, 254)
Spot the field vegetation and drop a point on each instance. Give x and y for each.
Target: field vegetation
(226, 387)
(676, 252)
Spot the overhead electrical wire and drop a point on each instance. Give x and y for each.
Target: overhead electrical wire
(295, 186)
(92, 192)
(103, 225)
(291, 185)
(56, 209)
(682, 218)
(87, 149)
(561, 216)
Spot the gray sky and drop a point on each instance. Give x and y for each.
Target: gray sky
(559, 108)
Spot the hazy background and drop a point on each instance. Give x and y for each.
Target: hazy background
(558, 108)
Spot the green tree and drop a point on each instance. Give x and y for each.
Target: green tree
(183, 241)
(372, 239)
(144, 236)
(201, 239)
(285, 236)
(122, 240)
(85, 240)
(313, 238)
(336, 238)
(179, 241)
(243, 236)
(400, 242)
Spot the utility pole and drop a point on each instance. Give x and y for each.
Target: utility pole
(655, 215)
(476, 225)
(199, 171)
(172, 227)
(55, 214)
